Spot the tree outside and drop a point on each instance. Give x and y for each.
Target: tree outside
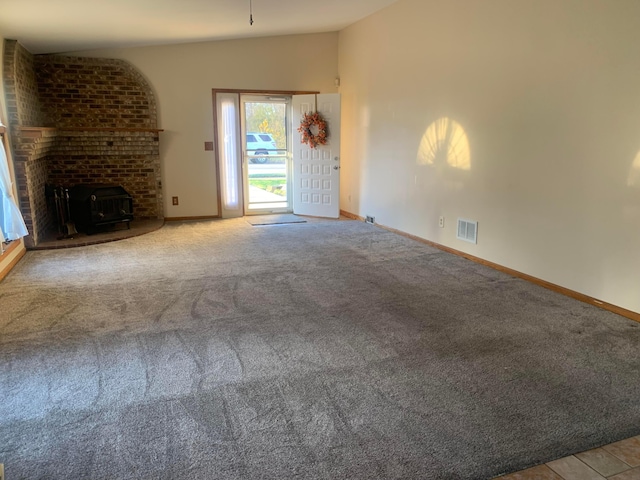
(268, 118)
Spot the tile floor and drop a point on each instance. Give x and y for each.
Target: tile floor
(617, 461)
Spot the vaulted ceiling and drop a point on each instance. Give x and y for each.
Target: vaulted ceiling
(46, 26)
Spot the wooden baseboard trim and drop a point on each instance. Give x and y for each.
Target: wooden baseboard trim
(181, 219)
(630, 314)
(7, 268)
(350, 215)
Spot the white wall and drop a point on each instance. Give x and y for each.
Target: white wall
(548, 95)
(183, 76)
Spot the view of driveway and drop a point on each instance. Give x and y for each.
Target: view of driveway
(267, 183)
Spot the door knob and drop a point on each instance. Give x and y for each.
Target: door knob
(336, 167)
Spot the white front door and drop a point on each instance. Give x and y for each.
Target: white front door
(316, 171)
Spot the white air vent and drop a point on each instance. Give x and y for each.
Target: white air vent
(467, 230)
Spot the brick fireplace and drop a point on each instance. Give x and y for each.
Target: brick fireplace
(77, 120)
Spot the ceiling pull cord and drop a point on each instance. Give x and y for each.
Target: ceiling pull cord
(250, 12)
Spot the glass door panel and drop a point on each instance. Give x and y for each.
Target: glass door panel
(266, 154)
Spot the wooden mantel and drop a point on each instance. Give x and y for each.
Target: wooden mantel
(37, 132)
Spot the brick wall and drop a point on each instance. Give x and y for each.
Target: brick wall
(31, 169)
(23, 102)
(130, 159)
(29, 154)
(96, 122)
(93, 92)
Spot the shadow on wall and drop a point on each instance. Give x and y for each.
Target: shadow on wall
(445, 144)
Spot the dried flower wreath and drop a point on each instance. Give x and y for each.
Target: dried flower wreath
(313, 120)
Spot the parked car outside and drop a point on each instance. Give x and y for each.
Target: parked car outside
(262, 145)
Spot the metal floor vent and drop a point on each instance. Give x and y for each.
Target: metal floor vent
(467, 231)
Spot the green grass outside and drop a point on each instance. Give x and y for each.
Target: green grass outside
(273, 185)
(267, 175)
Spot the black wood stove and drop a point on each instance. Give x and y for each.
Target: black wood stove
(94, 205)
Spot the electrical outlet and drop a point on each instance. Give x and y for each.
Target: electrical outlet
(370, 219)
(441, 222)
(174, 200)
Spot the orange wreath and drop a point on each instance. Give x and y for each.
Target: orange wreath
(310, 120)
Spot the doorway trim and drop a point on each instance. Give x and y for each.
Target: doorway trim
(215, 92)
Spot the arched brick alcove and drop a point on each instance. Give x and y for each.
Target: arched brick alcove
(80, 120)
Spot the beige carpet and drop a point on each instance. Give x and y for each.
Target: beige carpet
(323, 350)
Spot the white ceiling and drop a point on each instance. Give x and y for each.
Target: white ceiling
(52, 26)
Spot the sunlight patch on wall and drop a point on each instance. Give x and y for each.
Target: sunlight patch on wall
(445, 143)
(634, 174)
